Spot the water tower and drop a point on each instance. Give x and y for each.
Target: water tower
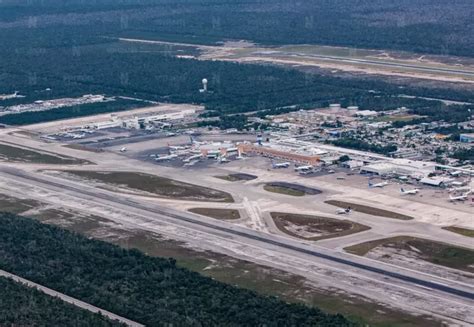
(204, 85)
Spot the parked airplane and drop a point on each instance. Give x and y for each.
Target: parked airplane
(168, 157)
(194, 142)
(177, 147)
(409, 192)
(381, 184)
(192, 158)
(462, 197)
(460, 189)
(123, 149)
(302, 168)
(342, 211)
(8, 96)
(280, 165)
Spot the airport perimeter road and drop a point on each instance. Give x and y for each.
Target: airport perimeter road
(68, 299)
(358, 265)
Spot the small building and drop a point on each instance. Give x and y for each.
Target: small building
(467, 138)
(366, 113)
(352, 164)
(436, 181)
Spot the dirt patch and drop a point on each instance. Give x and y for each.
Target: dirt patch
(315, 228)
(290, 189)
(16, 154)
(460, 230)
(152, 184)
(438, 253)
(217, 213)
(237, 177)
(369, 210)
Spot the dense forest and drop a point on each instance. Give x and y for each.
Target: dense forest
(101, 66)
(53, 49)
(24, 306)
(432, 26)
(153, 291)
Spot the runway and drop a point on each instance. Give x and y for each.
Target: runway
(362, 265)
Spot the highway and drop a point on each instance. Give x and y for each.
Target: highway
(361, 264)
(68, 299)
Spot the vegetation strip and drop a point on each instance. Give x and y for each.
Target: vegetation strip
(290, 189)
(160, 186)
(460, 230)
(18, 154)
(217, 213)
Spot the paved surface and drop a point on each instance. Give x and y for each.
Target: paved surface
(154, 215)
(450, 292)
(71, 300)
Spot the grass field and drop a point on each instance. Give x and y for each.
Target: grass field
(435, 252)
(283, 190)
(16, 154)
(16, 206)
(369, 210)
(303, 226)
(237, 177)
(159, 186)
(463, 231)
(290, 189)
(217, 213)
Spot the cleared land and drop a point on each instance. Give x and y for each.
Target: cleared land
(315, 228)
(434, 252)
(369, 210)
(217, 213)
(459, 230)
(16, 154)
(237, 177)
(290, 189)
(160, 186)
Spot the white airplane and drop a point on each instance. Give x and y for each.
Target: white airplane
(177, 147)
(460, 189)
(192, 158)
(409, 192)
(194, 142)
(123, 149)
(381, 184)
(342, 211)
(302, 168)
(8, 96)
(462, 197)
(168, 157)
(280, 165)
